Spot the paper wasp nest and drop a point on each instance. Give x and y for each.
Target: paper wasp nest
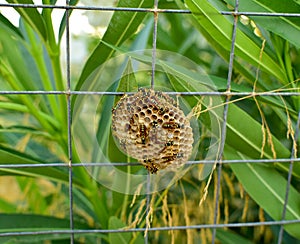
(150, 127)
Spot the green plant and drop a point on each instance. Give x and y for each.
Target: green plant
(33, 128)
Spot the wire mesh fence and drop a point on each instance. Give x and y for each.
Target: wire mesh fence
(227, 93)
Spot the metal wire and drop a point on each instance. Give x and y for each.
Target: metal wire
(69, 126)
(172, 11)
(198, 93)
(148, 196)
(151, 229)
(155, 15)
(289, 179)
(224, 123)
(97, 164)
(228, 93)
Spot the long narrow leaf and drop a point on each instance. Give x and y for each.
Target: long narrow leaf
(268, 188)
(12, 157)
(121, 27)
(63, 21)
(220, 29)
(229, 237)
(115, 223)
(31, 222)
(286, 27)
(6, 23)
(33, 17)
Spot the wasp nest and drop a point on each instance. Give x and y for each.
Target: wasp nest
(150, 127)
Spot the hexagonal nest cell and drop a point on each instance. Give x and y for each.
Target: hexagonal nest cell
(150, 127)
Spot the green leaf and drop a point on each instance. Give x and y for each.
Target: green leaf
(63, 20)
(127, 83)
(121, 237)
(19, 68)
(268, 188)
(15, 107)
(16, 64)
(5, 23)
(11, 157)
(32, 222)
(7, 207)
(286, 27)
(220, 29)
(33, 17)
(247, 137)
(121, 27)
(229, 237)
(13, 222)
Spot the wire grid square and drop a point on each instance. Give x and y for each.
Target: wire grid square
(227, 94)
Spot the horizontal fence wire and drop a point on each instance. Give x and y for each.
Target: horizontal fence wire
(124, 9)
(245, 94)
(196, 162)
(226, 94)
(165, 228)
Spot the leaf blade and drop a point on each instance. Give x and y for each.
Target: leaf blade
(267, 187)
(116, 223)
(32, 222)
(32, 16)
(286, 27)
(220, 29)
(121, 27)
(13, 157)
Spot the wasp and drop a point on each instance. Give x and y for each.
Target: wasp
(138, 128)
(144, 91)
(143, 133)
(171, 125)
(169, 159)
(132, 126)
(168, 144)
(131, 121)
(150, 166)
(162, 110)
(154, 124)
(156, 107)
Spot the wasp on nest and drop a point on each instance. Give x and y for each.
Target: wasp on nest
(150, 127)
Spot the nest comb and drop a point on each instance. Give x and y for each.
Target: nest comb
(150, 127)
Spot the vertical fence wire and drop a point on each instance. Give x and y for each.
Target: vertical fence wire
(224, 123)
(68, 94)
(69, 121)
(289, 179)
(154, 40)
(155, 16)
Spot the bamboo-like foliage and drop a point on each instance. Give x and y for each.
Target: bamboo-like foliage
(33, 128)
